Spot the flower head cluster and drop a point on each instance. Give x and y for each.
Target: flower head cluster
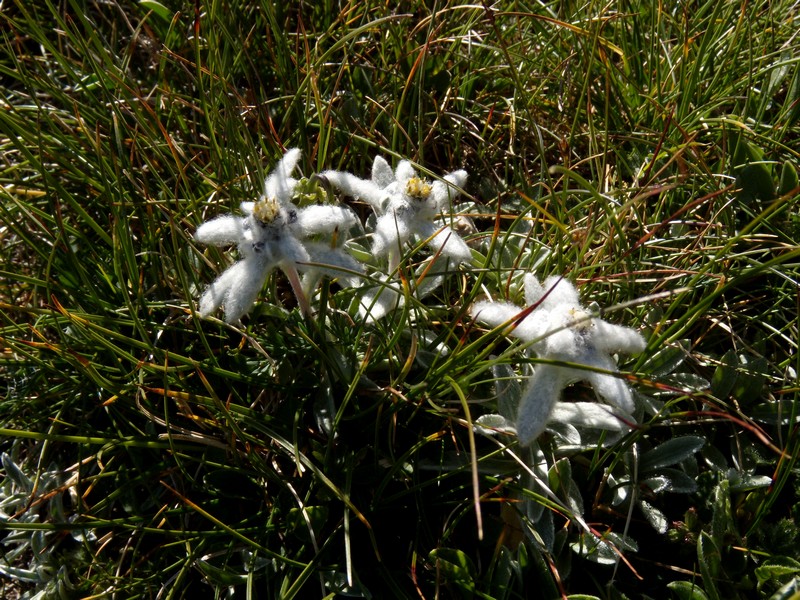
(407, 207)
(282, 229)
(274, 232)
(560, 330)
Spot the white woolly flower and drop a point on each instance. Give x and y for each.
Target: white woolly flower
(407, 207)
(561, 330)
(274, 233)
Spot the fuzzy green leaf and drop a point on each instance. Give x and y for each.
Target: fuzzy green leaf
(710, 560)
(722, 525)
(750, 482)
(656, 518)
(670, 480)
(16, 475)
(776, 568)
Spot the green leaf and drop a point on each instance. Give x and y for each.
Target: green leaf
(777, 76)
(790, 591)
(752, 375)
(14, 473)
(778, 412)
(776, 568)
(503, 573)
(709, 560)
(492, 424)
(755, 183)
(666, 360)
(560, 475)
(560, 479)
(753, 174)
(296, 520)
(725, 375)
(157, 8)
(687, 590)
(670, 453)
(691, 382)
(670, 480)
(789, 180)
(750, 482)
(722, 525)
(714, 458)
(455, 566)
(656, 518)
(605, 550)
(743, 152)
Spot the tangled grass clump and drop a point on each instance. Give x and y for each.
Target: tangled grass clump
(354, 433)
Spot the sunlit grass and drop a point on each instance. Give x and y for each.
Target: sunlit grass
(646, 152)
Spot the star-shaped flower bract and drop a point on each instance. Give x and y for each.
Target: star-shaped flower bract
(273, 233)
(561, 330)
(407, 206)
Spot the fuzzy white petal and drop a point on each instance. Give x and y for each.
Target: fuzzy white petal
(560, 292)
(563, 344)
(589, 414)
(495, 314)
(615, 338)
(404, 172)
(236, 289)
(279, 184)
(340, 265)
(612, 390)
(445, 239)
(391, 232)
(568, 335)
(220, 231)
(536, 405)
(382, 175)
(533, 289)
(446, 191)
(377, 304)
(358, 188)
(291, 250)
(322, 219)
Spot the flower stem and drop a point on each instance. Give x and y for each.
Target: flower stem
(297, 288)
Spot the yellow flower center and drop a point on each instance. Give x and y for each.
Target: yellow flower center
(418, 188)
(580, 319)
(266, 209)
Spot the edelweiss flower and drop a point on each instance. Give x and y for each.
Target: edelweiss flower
(273, 233)
(561, 330)
(407, 206)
